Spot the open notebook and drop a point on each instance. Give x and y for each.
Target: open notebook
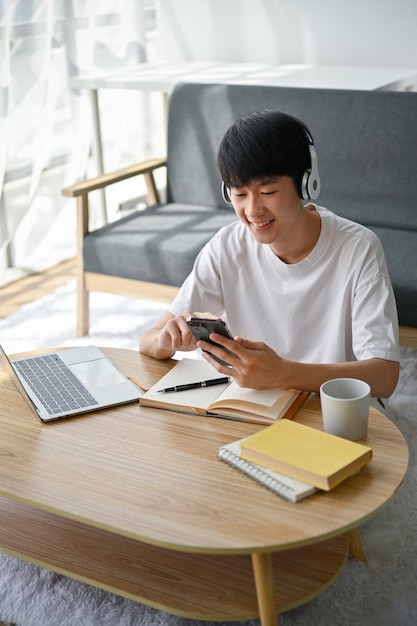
(227, 400)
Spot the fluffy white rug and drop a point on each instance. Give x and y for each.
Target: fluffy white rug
(51, 321)
(382, 592)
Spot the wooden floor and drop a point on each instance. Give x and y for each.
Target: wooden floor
(408, 337)
(30, 288)
(20, 292)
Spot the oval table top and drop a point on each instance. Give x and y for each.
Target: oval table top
(154, 475)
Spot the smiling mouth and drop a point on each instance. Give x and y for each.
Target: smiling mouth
(261, 225)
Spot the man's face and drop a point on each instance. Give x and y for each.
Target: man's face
(270, 209)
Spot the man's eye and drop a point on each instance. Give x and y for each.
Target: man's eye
(267, 193)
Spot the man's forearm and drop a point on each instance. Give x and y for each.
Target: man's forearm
(380, 374)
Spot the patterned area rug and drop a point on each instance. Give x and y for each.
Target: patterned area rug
(381, 592)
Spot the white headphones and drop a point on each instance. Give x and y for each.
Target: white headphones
(310, 181)
(226, 193)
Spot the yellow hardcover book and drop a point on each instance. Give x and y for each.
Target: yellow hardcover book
(227, 400)
(305, 453)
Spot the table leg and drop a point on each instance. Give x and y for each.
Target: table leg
(262, 569)
(355, 545)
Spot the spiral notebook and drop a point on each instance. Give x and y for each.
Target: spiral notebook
(286, 487)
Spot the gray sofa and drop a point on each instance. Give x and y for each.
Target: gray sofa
(366, 143)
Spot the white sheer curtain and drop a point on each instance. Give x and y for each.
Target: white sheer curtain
(45, 125)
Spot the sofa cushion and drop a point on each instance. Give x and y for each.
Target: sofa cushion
(156, 245)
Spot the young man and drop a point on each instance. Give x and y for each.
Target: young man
(306, 293)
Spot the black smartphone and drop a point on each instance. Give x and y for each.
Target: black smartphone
(202, 329)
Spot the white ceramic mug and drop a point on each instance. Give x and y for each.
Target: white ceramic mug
(345, 407)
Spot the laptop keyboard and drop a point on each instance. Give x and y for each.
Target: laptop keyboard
(54, 384)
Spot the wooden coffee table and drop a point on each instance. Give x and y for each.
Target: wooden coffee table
(135, 501)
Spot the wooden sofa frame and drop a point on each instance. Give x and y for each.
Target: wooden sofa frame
(91, 281)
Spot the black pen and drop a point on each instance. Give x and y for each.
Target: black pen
(203, 383)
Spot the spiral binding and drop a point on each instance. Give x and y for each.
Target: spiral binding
(258, 474)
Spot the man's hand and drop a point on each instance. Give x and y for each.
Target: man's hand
(175, 334)
(255, 365)
(169, 335)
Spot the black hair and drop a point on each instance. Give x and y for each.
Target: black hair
(264, 144)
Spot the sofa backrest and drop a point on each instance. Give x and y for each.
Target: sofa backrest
(366, 142)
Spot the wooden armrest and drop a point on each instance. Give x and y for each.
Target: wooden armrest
(146, 168)
(80, 191)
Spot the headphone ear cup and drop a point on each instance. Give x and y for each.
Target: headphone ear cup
(304, 185)
(310, 183)
(226, 193)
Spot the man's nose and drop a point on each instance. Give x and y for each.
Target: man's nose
(254, 205)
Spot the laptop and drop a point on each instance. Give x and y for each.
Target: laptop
(69, 382)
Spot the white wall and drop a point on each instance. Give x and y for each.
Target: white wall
(323, 32)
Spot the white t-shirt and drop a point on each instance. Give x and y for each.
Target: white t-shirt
(335, 305)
